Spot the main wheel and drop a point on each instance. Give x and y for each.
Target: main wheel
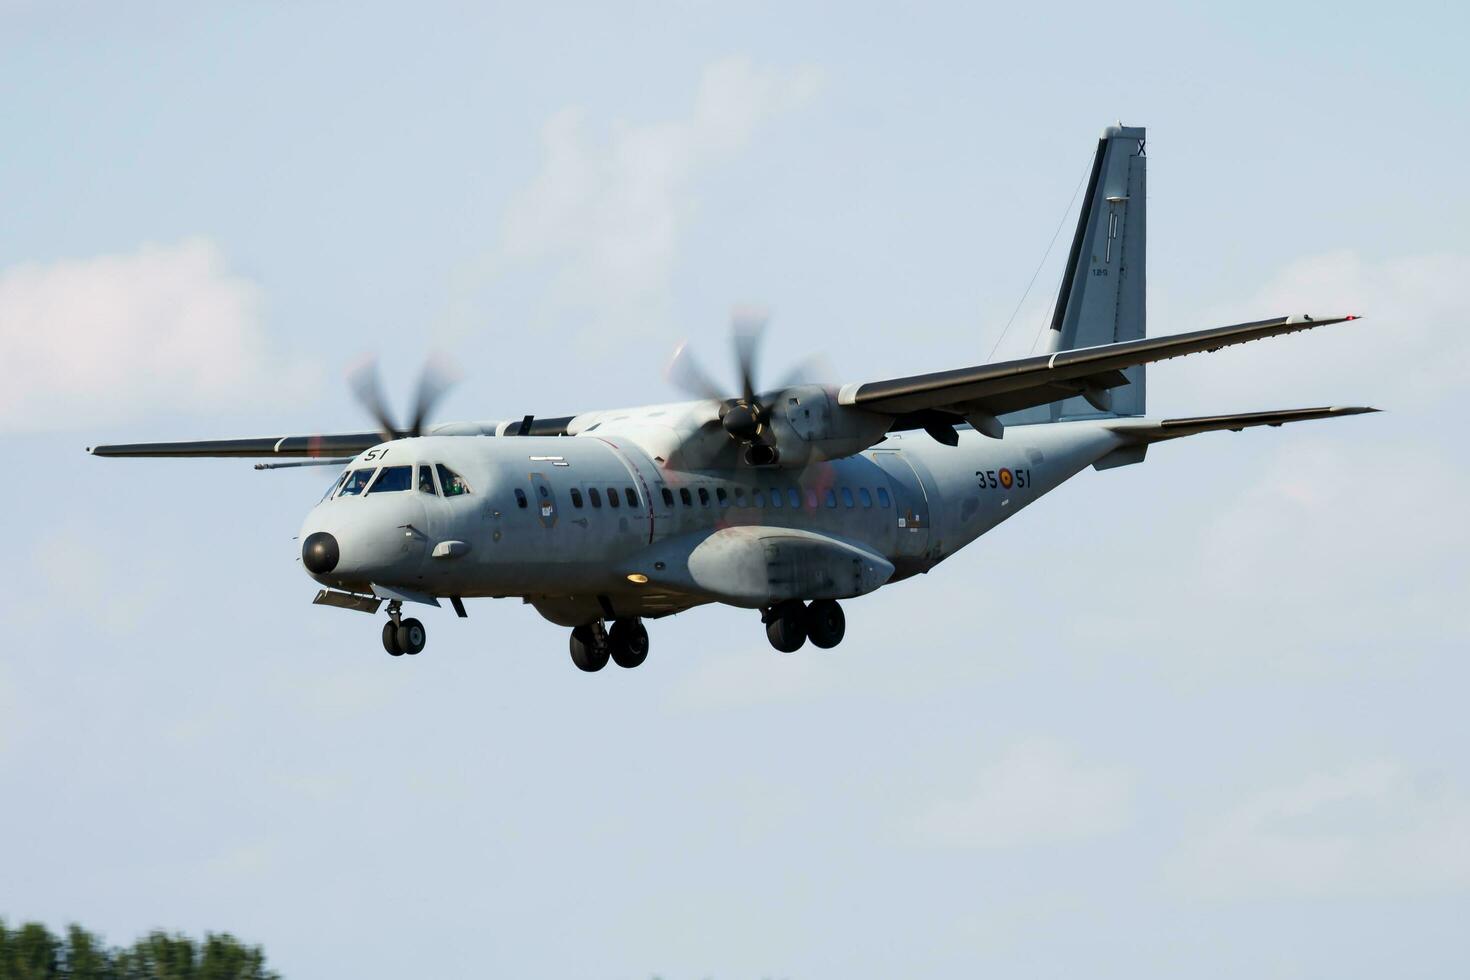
(411, 636)
(787, 627)
(628, 642)
(589, 648)
(390, 639)
(825, 623)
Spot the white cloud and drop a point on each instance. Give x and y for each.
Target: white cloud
(1368, 829)
(603, 216)
(1035, 793)
(107, 338)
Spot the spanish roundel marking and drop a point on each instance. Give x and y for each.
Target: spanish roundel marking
(1006, 479)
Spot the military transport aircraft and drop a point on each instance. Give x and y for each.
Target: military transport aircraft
(782, 500)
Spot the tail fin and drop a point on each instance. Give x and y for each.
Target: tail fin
(1102, 296)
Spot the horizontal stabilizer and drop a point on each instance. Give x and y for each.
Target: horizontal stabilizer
(1145, 431)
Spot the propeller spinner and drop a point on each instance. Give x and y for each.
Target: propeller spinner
(745, 417)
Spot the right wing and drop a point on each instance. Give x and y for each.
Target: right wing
(328, 446)
(1008, 386)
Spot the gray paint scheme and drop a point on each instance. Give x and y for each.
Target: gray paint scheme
(650, 511)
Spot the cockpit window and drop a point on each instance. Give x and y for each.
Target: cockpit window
(392, 479)
(426, 479)
(451, 482)
(357, 481)
(336, 484)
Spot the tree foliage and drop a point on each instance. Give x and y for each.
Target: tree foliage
(31, 952)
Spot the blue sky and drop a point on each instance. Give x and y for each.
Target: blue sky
(1201, 715)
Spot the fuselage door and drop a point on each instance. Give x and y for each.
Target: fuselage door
(543, 500)
(910, 503)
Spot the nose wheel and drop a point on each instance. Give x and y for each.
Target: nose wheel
(401, 635)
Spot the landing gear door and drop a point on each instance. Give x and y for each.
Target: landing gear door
(910, 504)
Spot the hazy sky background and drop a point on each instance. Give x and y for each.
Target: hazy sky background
(1203, 716)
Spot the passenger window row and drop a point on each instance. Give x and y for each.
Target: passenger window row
(777, 498)
(616, 497)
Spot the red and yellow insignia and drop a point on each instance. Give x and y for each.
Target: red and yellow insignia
(1006, 479)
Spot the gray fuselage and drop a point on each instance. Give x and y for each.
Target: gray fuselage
(583, 524)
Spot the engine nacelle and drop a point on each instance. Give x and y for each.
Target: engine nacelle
(809, 426)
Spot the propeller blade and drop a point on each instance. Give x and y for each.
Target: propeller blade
(811, 370)
(685, 374)
(437, 378)
(363, 379)
(746, 328)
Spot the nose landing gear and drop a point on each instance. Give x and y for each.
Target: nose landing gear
(626, 644)
(401, 635)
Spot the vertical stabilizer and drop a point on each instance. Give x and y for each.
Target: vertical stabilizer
(1102, 296)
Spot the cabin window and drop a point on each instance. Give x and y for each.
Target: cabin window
(576, 498)
(757, 497)
(793, 497)
(451, 482)
(811, 500)
(847, 497)
(520, 498)
(739, 496)
(685, 498)
(668, 497)
(831, 498)
(703, 497)
(594, 496)
(865, 497)
(722, 496)
(426, 480)
(357, 482)
(612, 496)
(392, 479)
(630, 496)
(775, 497)
(882, 497)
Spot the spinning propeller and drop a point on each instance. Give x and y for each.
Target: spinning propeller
(436, 378)
(746, 417)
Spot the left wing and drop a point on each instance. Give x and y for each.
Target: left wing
(990, 390)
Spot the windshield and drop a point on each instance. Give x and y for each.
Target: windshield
(392, 479)
(357, 481)
(335, 484)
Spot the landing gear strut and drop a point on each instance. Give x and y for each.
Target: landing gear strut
(401, 635)
(626, 644)
(790, 624)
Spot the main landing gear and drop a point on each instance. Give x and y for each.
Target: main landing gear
(593, 644)
(401, 635)
(790, 624)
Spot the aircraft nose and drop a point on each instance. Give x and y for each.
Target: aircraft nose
(319, 553)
